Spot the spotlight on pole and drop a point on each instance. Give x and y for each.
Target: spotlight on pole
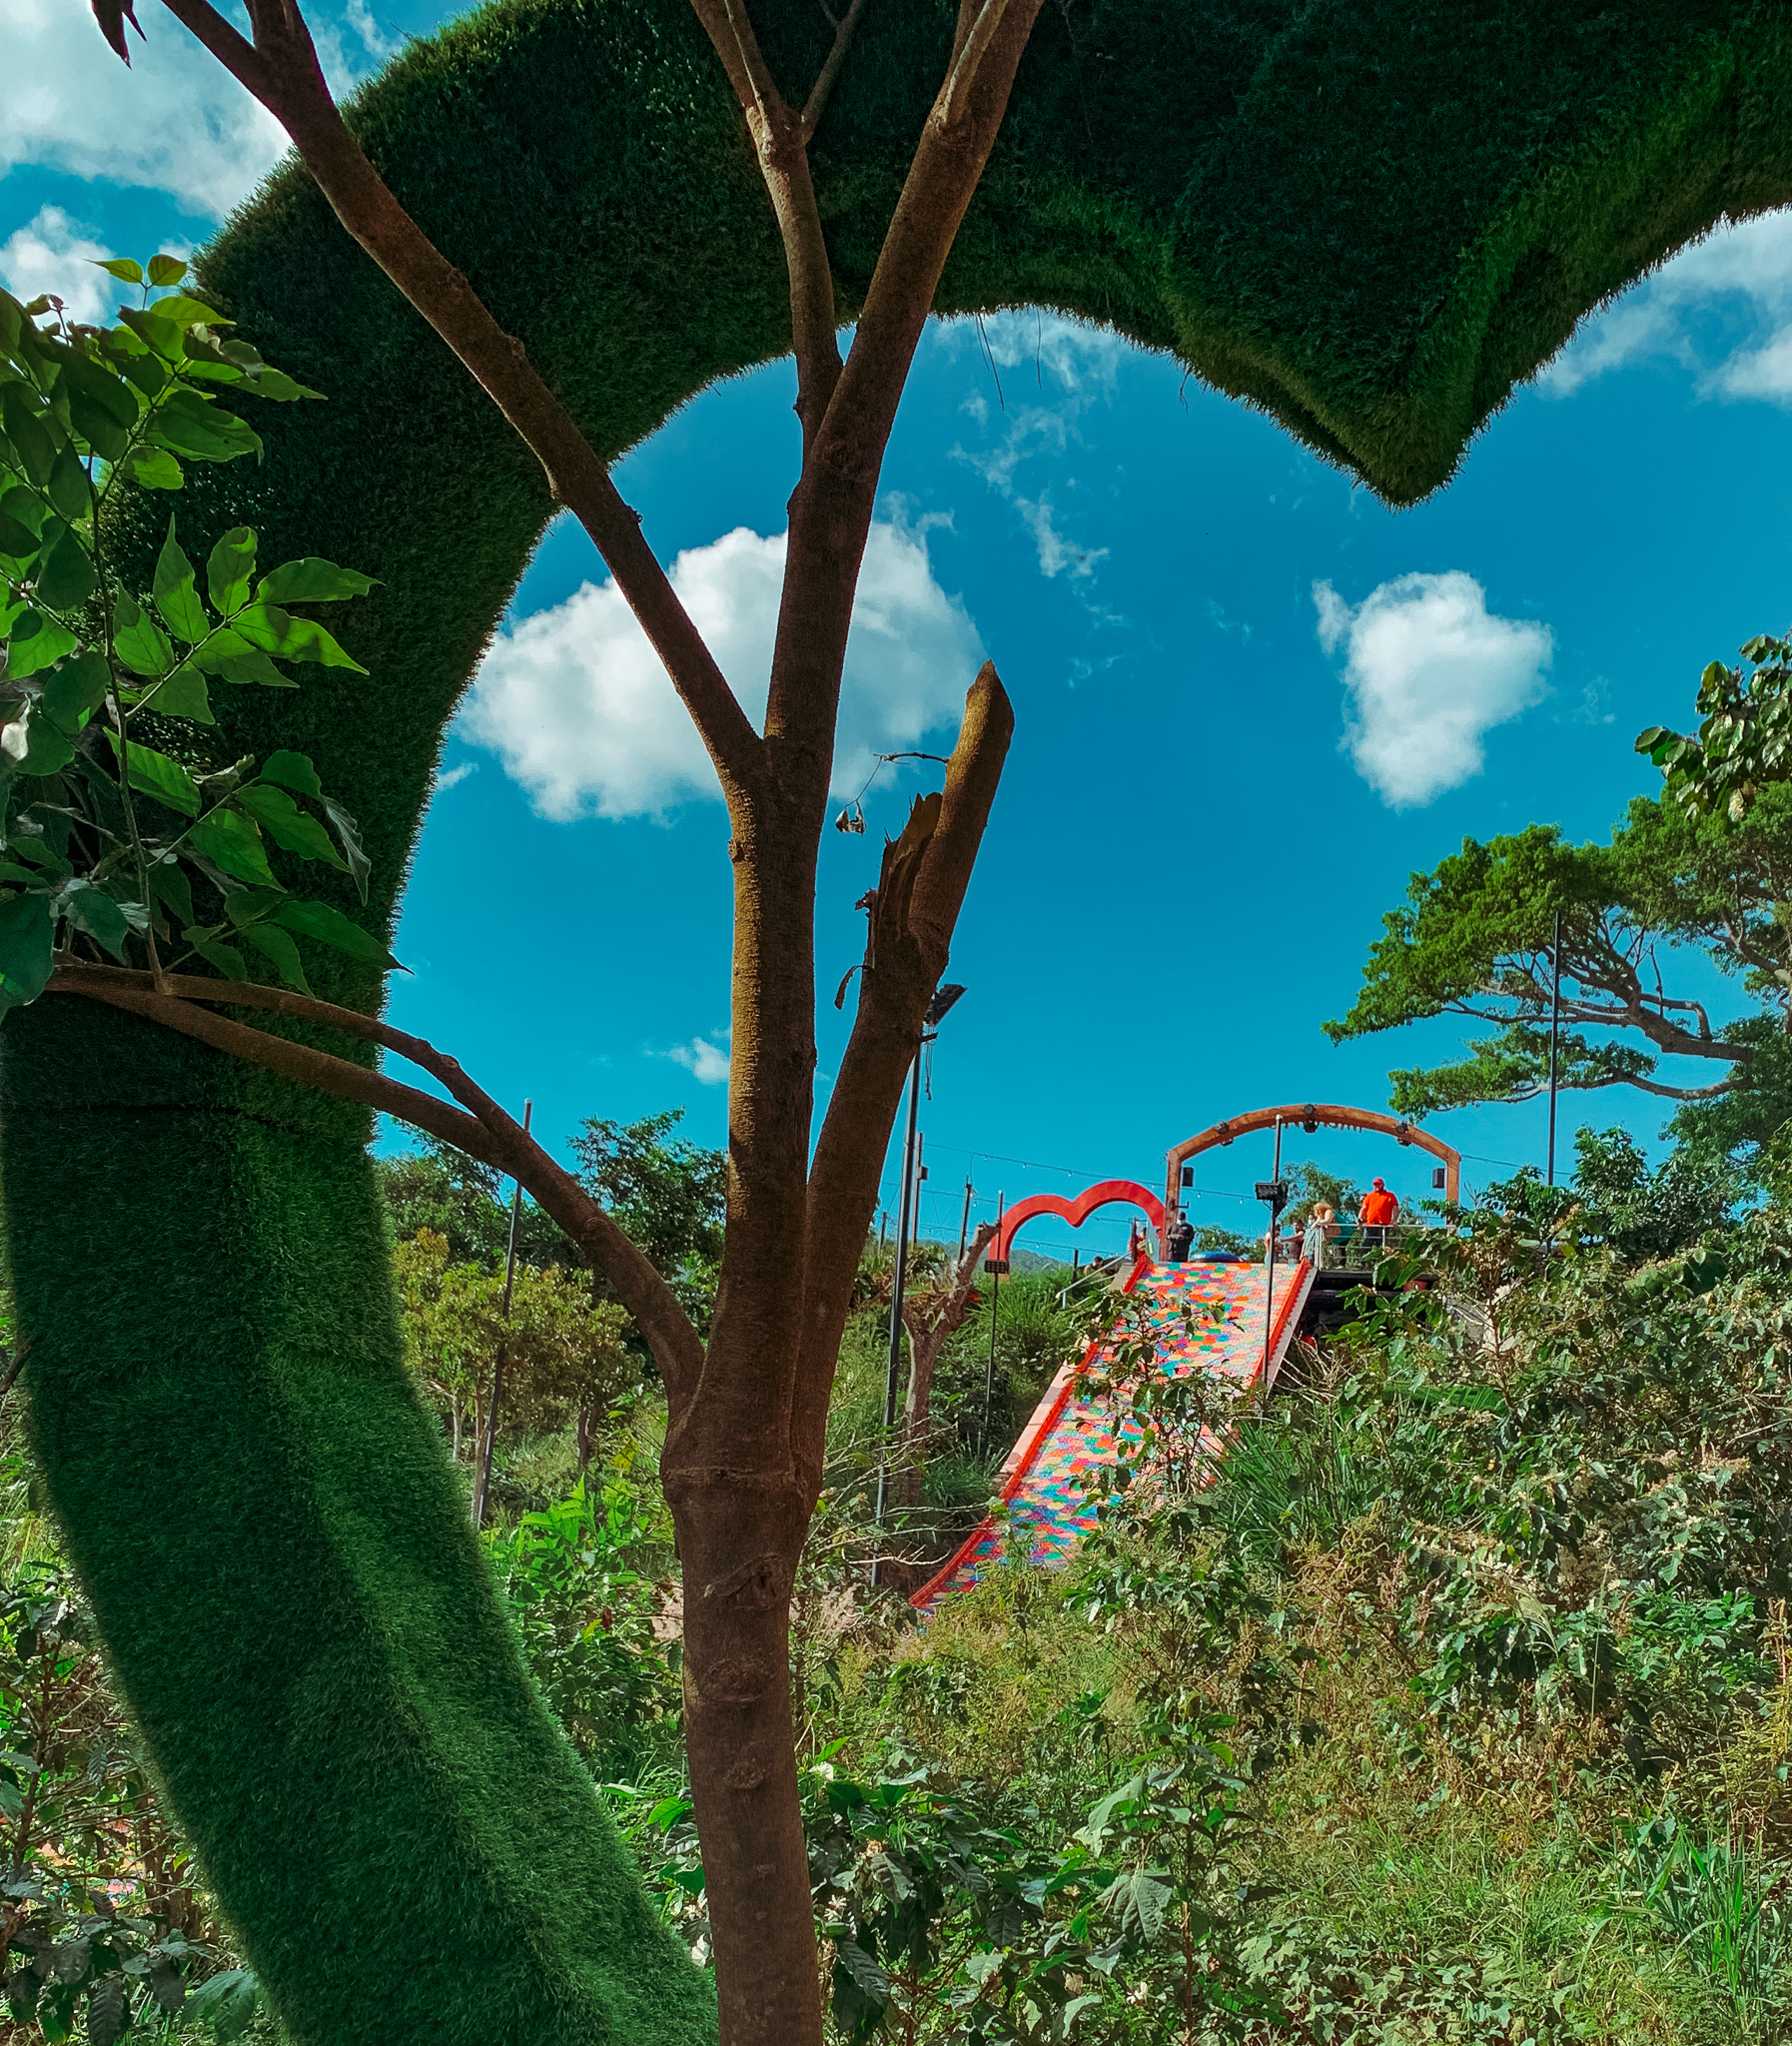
(943, 1000)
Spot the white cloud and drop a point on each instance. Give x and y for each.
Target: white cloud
(708, 1062)
(51, 253)
(1429, 671)
(175, 121)
(452, 777)
(577, 707)
(1081, 363)
(1742, 272)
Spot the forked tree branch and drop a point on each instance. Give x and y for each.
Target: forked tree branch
(897, 984)
(479, 1125)
(280, 70)
(781, 142)
(830, 510)
(816, 103)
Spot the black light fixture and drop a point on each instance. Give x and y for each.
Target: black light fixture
(943, 1000)
(1275, 1191)
(1188, 1175)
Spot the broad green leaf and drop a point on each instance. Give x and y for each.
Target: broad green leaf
(33, 846)
(168, 883)
(282, 389)
(228, 655)
(144, 370)
(171, 884)
(96, 427)
(155, 469)
(120, 267)
(294, 771)
(30, 438)
(231, 841)
(65, 575)
(26, 950)
(228, 960)
(276, 632)
(105, 2011)
(103, 385)
(188, 310)
(183, 694)
(17, 543)
(36, 744)
(164, 269)
(37, 640)
(289, 827)
(227, 1999)
(26, 506)
(269, 940)
(159, 776)
(176, 596)
(97, 914)
(160, 335)
(68, 485)
(331, 927)
(190, 425)
(75, 690)
(228, 571)
(311, 581)
(141, 644)
(348, 831)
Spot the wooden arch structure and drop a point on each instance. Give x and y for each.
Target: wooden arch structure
(1311, 1115)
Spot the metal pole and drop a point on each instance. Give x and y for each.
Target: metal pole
(483, 1485)
(903, 1215)
(1555, 1025)
(964, 1222)
(995, 1296)
(1270, 1280)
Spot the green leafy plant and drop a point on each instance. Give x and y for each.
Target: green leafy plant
(585, 1615)
(106, 836)
(100, 1929)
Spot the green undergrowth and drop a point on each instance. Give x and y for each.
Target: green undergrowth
(1483, 1634)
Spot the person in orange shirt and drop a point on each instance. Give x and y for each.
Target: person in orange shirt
(1379, 1211)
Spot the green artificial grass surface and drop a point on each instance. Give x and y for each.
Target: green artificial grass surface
(1369, 219)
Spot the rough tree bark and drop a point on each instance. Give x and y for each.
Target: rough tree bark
(743, 1454)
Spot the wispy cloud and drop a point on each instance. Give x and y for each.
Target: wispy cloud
(451, 777)
(576, 705)
(1046, 372)
(1428, 673)
(54, 253)
(1722, 308)
(175, 121)
(706, 1060)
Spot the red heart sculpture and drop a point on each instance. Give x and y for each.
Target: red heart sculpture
(1077, 1212)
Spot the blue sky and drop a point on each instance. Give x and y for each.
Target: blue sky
(1251, 701)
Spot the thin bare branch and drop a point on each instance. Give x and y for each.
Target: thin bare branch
(280, 70)
(830, 510)
(781, 143)
(480, 1127)
(816, 103)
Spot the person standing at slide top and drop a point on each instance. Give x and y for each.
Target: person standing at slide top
(1378, 1212)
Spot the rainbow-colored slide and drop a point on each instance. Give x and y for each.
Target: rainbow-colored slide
(1070, 1434)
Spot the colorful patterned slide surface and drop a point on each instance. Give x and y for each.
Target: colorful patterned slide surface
(1069, 1433)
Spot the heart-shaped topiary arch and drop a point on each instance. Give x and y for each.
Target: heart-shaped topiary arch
(1370, 217)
